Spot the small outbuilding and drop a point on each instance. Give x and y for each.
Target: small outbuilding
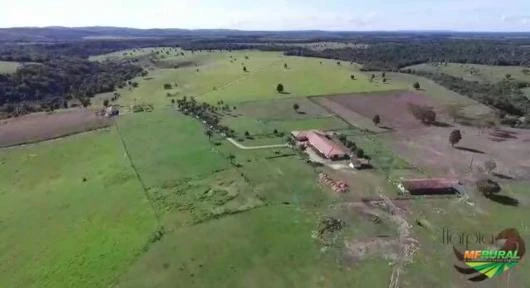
(112, 110)
(431, 186)
(360, 163)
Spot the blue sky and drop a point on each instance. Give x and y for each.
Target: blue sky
(462, 15)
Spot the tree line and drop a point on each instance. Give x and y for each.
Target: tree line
(506, 95)
(392, 56)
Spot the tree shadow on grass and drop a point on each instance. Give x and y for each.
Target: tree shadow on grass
(387, 128)
(503, 199)
(441, 124)
(503, 176)
(285, 93)
(469, 150)
(301, 112)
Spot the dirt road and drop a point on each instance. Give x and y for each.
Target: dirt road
(240, 146)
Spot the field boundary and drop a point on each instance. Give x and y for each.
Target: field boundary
(144, 187)
(55, 137)
(241, 146)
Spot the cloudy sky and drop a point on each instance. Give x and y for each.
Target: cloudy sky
(462, 15)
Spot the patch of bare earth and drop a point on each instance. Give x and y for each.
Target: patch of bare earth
(45, 126)
(428, 147)
(399, 250)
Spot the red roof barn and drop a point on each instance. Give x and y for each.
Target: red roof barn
(322, 144)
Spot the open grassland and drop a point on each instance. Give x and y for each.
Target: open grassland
(214, 76)
(266, 247)
(476, 72)
(59, 230)
(165, 206)
(192, 183)
(7, 67)
(166, 146)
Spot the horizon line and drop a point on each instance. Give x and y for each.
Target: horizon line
(264, 30)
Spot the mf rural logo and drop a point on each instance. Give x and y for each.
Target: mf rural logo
(486, 264)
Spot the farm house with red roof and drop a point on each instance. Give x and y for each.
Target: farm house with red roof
(322, 144)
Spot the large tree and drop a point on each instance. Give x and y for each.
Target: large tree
(376, 120)
(280, 88)
(488, 187)
(296, 107)
(455, 137)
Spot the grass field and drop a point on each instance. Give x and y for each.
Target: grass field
(267, 247)
(475, 72)
(164, 206)
(60, 231)
(7, 67)
(219, 76)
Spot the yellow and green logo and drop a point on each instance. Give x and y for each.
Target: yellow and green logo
(485, 264)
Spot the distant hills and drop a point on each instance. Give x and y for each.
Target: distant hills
(55, 34)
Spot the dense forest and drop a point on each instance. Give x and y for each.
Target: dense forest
(57, 68)
(394, 56)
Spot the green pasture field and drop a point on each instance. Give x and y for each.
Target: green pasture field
(7, 67)
(214, 76)
(267, 247)
(61, 231)
(206, 219)
(166, 146)
(475, 72)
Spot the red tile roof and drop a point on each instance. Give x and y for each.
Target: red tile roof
(325, 146)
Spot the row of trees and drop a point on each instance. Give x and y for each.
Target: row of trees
(506, 95)
(207, 113)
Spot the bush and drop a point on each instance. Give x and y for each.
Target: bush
(488, 187)
(360, 153)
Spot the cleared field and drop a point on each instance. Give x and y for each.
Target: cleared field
(214, 76)
(282, 109)
(7, 67)
(303, 77)
(475, 72)
(43, 126)
(392, 107)
(166, 146)
(267, 247)
(442, 95)
(59, 230)
(428, 146)
(248, 218)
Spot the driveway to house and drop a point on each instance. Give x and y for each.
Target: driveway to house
(240, 146)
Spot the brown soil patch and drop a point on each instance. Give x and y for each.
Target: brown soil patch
(43, 126)
(427, 147)
(392, 107)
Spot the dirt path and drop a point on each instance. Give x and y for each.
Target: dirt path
(240, 146)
